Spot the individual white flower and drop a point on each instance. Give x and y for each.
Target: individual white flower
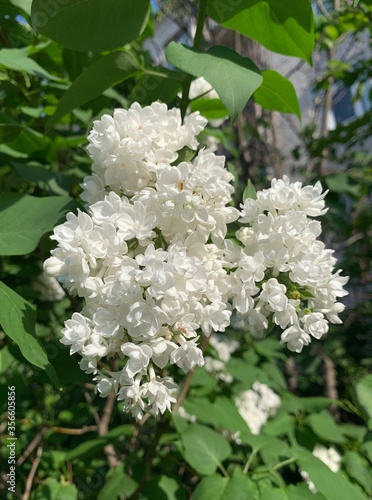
(104, 385)
(157, 392)
(295, 338)
(139, 358)
(274, 294)
(315, 324)
(187, 356)
(77, 332)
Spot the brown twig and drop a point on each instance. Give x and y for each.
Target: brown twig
(103, 426)
(292, 374)
(30, 448)
(31, 476)
(75, 432)
(89, 400)
(330, 380)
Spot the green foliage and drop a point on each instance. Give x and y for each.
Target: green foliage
(212, 64)
(277, 94)
(25, 219)
(17, 318)
(205, 450)
(58, 72)
(90, 26)
(104, 73)
(285, 27)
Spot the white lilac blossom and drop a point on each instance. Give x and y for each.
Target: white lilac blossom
(151, 258)
(330, 457)
(257, 405)
(223, 346)
(285, 275)
(130, 147)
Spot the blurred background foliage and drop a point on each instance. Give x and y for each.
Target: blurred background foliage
(326, 390)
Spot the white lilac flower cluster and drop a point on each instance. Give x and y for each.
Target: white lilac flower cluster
(285, 275)
(257, 405)
(330, 457)
(151, 259)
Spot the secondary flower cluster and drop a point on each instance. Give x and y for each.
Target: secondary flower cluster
(330, 457)
(257, 405)
(285, 275)
(151, 258)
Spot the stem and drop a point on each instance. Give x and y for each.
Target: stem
(283, 464)
(223, 470)
(31, 476)
(250, 460)
(197, 42)
(186, 385)
(103, 426)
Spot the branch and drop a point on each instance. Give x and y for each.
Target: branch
(30, 478)
(74, 432)
(292, 374)
(330, 380)
(30, 448)
(103, 426)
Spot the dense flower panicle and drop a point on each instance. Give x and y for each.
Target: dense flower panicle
(151, 259)
(129, 147)
(257, 405)
(285, 275)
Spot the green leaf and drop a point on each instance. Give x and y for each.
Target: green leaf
(18, 318)
(216, 487)
(366, 448)
(205, 449)
(330, 484)
(357, 468)
(277, 94)
(29, 143)
(301, 491)
(293, 403)
(211, 109)
(234, 77)
(18, 60)
(9, 133)
(25, 219)
(90, 25)
(162, 85)
(325, 427)
(53, 490)
(281, 424)
(227, 415)
(52, 183)
(117, 484)
(364, 394)
(94, 445)
(249, 192)
(170, 487)
(104, 73)
(286, 27)
(201, 409)
(23, 4)
(340, 183)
